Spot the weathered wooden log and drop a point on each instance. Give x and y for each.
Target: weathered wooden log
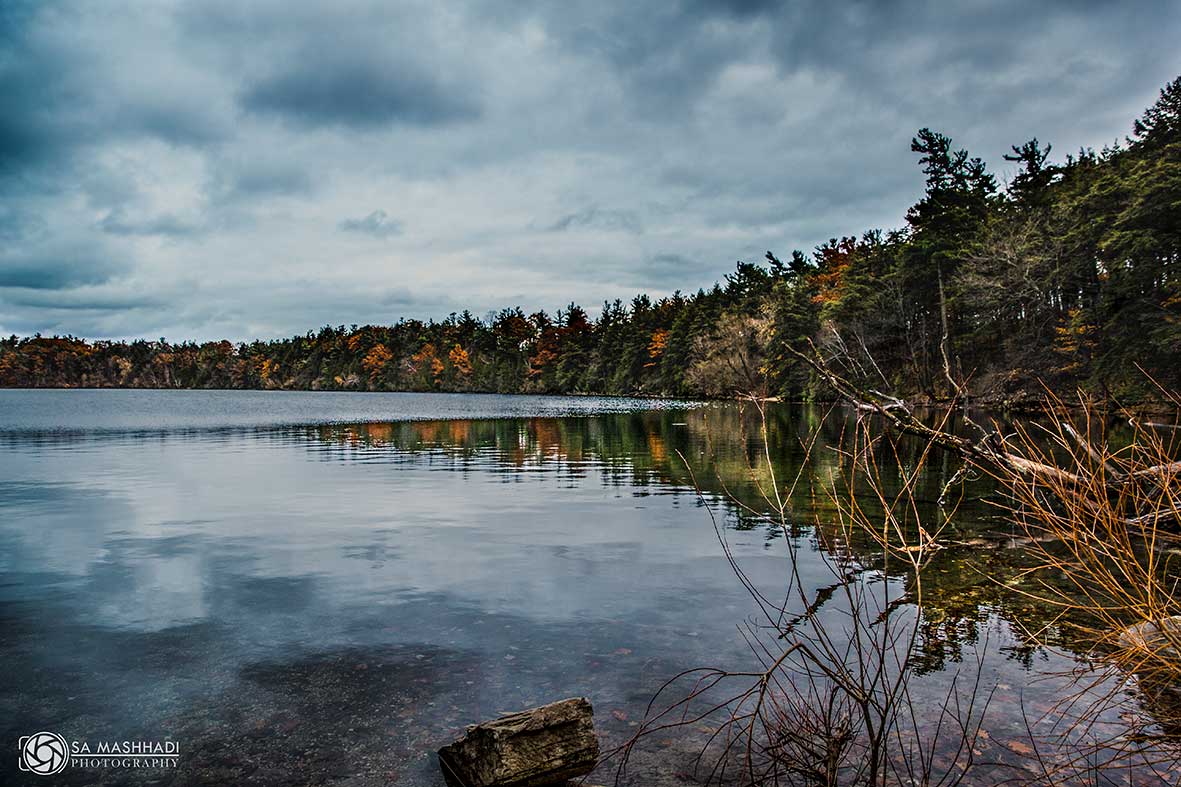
(1162, 640)
(530, 748)
(1156, 649)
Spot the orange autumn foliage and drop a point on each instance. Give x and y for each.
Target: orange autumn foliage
(657, 346)
(543, 358)
(427, 358)
(460, 360)
(835, 260)
(376, 359)
(828, 284)
(423, 357)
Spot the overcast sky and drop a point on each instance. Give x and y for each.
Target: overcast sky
(230, 169)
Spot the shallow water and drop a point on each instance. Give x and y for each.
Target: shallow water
(324, 588)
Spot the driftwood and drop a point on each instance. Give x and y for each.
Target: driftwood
(991, 452)
(1162, 638)
(987, 452)
(1157, 653)
(540, 746)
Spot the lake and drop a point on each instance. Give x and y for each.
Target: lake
(324, 588)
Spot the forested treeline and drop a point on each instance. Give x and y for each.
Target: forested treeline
(1067, 275)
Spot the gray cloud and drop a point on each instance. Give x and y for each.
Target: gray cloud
(80, 300)
(192, 161)
(17, 226)
(358, 93)
(602, 218)
(378, 224)
(117, 223)
(56, 268)
(353, 65)
(65, 94)
(675, 271)
(258, 178)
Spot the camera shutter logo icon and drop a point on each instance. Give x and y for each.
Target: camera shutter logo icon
(44, 753)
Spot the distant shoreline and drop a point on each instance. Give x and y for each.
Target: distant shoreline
(992, 402)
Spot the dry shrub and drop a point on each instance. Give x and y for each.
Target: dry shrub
(831, 701)
(1104, 534)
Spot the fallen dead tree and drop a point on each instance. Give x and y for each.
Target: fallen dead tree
(830, 702)
(1101, 526)
(1143, 492)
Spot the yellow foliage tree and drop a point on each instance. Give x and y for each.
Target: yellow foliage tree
(1074, 342)
(427, 358)
(657, 346)
(375, 360)
(460, 360)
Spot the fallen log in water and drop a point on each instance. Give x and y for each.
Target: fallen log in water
(1154, 654)
(540, 746)
(1159, 641)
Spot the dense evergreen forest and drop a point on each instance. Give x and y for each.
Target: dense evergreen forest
(1067, 276)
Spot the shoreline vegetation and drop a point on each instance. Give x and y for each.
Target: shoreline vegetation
(836, 697)
(1065, 278)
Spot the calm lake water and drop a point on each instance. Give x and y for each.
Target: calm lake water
(323, 588)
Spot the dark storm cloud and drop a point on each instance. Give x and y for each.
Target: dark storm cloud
(37, 275)
(63, 97)
(84, 313)
(830, 154)
(23, 82)
(894, 66)
(353, 65)
(666, 53)
(84, 300)
(356, 92)
(193, 161)
(56, 269)
(378, 224)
